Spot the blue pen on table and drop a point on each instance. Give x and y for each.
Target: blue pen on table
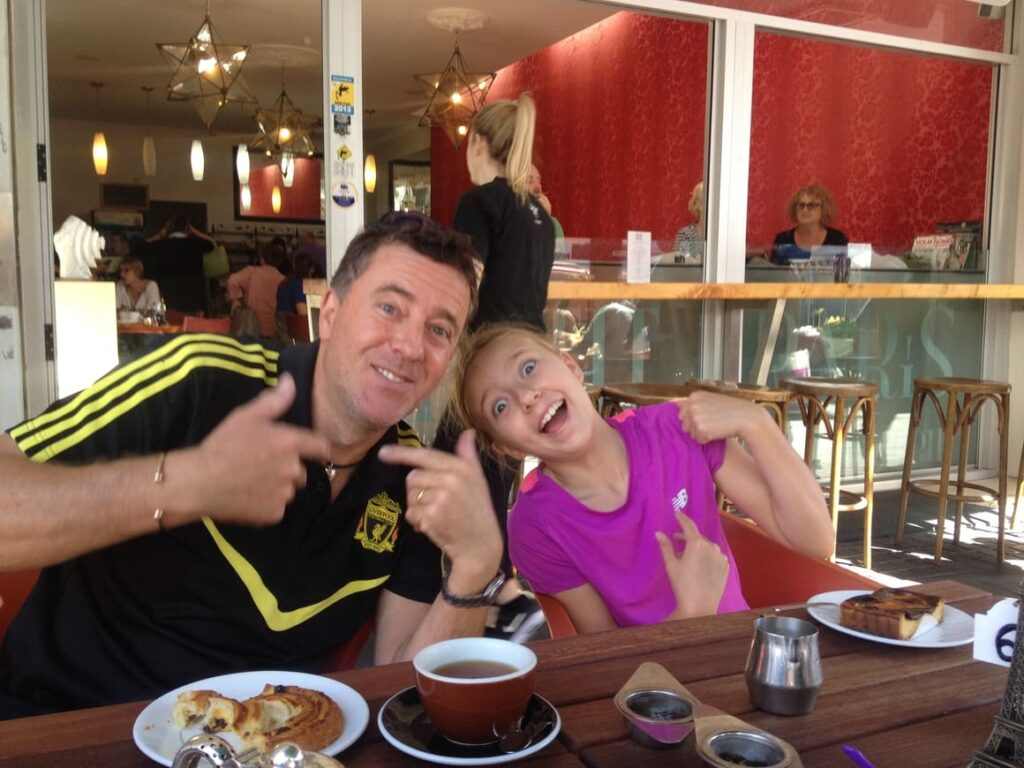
(857, 756)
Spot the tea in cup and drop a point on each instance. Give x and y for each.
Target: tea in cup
(475, 689)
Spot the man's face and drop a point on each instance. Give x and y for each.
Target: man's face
(386, 344)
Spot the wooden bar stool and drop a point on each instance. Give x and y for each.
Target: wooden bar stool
(815, 395)
(776, 401)
(964, 399)
(617, 397)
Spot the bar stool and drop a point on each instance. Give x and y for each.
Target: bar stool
(616, 397)
(776, 401)
(964, 399)
(814, 395)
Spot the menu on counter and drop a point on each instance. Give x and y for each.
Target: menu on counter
(638, 257)
(935, 250)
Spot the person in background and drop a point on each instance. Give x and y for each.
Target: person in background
(538, 192)
(174, 258)
(620, 521)
(514, 238)
(690, 238)
(289, 505)
(255, 287)
(310, 246)
(133, 291)
(290, 296)
(812, 210)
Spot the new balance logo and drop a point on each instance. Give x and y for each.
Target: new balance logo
(679, 500)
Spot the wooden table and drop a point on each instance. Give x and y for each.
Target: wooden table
(902, 707)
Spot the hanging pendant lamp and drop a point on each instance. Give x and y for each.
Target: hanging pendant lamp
(99, 141)
(242, 163)
(455, 94)
(207, 71)
(148, 147)
(197, 159)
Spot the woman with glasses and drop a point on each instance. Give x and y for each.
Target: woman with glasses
(811, 208)
(133, 292)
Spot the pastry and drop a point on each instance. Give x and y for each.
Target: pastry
(306, 717)
(279, 713)
(207, 708)
(888, 612)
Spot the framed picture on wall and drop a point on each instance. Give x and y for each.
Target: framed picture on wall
(269, 197)
(410, 185)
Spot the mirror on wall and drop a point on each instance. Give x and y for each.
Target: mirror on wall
(276, 190)
(410, 186)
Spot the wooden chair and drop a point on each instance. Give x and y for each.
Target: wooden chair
(617, 397)
(846, 398)
(775, 401)
(193, 324)
(964, 399)
(770, 574)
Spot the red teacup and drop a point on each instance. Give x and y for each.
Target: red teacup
(475, 688)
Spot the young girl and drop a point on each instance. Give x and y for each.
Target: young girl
(620, 522)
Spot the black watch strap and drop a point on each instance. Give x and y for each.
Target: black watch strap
(474, 601)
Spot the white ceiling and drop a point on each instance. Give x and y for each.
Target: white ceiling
(114, 42)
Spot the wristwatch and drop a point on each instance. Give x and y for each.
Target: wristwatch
(473, 601)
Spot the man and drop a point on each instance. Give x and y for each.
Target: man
(277, 521)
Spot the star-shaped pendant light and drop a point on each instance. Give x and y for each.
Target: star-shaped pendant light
(455, 94)
(283, 130)
(206, 71)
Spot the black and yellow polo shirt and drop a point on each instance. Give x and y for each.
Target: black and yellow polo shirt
(142, 617)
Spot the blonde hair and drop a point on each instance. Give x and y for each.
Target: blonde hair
(696, 204)
(508, 128)
(472, 347)
(816, 192)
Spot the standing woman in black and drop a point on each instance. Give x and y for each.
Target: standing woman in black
(515, 240)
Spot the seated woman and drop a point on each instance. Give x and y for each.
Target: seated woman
(811, 208)
(133, 291)
(620, 520)
(689, 240)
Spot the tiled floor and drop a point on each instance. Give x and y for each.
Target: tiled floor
(972, 562)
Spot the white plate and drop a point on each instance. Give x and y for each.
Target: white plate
(406, 727)
(956, 627)
(159, 739)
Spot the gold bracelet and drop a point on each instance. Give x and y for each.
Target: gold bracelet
(158, 513)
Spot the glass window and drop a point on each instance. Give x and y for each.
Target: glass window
(972, 23)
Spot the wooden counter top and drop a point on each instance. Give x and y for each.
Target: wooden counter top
(768, 291)
(756, 291)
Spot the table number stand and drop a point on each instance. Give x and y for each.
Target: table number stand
(1005, 746)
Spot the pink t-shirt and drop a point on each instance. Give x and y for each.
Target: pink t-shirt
(557, 543)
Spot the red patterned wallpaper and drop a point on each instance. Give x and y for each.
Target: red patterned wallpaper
(620, 126)
(900, 140)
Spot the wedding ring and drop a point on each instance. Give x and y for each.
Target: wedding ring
(420, 494)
